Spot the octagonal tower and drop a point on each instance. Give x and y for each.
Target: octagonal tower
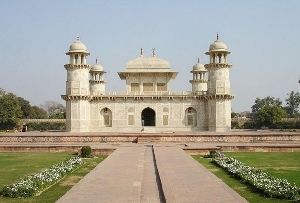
(219, 93)
(77, 88)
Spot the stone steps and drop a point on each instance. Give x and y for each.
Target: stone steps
(148, 139)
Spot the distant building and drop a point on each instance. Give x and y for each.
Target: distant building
(246, 114)
(148, 103)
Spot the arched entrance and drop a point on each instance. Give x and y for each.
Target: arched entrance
(148, 117)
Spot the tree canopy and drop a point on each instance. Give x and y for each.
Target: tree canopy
(267, 111)
(13, 108)
(37, 112)
(292, 104)
(10, 111)
(267, 101)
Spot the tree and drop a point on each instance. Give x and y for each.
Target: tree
(37, 113)
(2, 92)
(267, 101)
(54, 109)
(292, 104)
(10, 111)
(25, 106)
(234, 115)
(269, 115)
(267, 111)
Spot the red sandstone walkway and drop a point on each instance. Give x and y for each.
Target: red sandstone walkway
(185, 180)
(150, 175)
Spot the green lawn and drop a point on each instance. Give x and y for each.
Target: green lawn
(16, 165)
(280, 164)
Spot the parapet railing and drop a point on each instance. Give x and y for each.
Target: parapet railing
(155, 93)
(29, 120)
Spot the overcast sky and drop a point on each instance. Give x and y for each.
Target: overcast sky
(263, 37)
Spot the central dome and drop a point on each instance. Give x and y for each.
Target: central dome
(148, 63)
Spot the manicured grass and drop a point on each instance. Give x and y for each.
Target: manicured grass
(14, 165)
(280, 164)
(35, 163)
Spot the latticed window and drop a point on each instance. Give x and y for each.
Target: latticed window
(165, 120)
(107, 117)
(191, 117)
(135, 87)
(190, 120)
(148, 87)
(161, 87)
(106, 120)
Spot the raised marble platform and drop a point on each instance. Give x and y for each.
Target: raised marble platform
(109, 137)
(192, 142)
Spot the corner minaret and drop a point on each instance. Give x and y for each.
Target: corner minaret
(199, 81)
(219, 94)
(77, 88)
(97, 83)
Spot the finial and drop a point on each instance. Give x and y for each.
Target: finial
(97, 60)
(141, 51)
(217, 36)
(153, 52)
(198, 60)
(77, 38)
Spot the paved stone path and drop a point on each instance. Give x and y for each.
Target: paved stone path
(119, 178)
(150, 175)
(185, 180)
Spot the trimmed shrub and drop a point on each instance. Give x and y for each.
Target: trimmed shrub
(86, 151)
(46, 126)
(235, 125)
(249, 125)
(286, 125)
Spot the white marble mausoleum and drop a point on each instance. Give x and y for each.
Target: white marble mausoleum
(148, 104)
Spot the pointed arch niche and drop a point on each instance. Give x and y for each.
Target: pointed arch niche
(191, 117)
(106, 117)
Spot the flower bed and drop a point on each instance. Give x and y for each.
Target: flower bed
(33, 184)
(260, 180)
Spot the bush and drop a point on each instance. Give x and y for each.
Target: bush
(286, 125)
(86, 151)
(235, 125)
(46, 126)
(213, 154)
(276, 125)
(249, 125)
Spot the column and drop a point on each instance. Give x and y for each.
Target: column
(84, 59)
(76, 58)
